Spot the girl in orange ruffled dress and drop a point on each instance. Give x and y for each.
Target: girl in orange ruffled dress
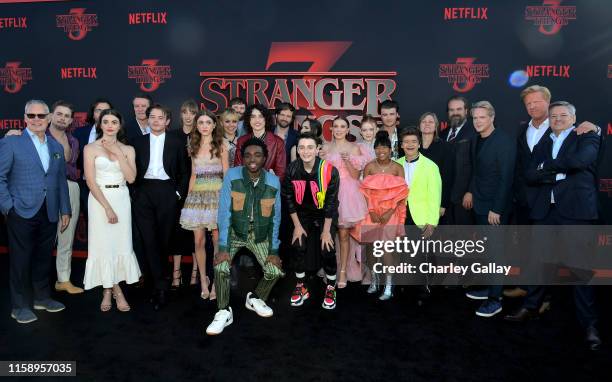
(385, 191)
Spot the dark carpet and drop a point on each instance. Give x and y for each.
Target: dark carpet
(363, 339)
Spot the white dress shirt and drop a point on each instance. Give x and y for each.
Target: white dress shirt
(92, 134)
(156, 158)
(409, 167)
(534, 134)
(557, 143)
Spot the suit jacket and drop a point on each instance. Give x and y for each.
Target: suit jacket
(24, 184)
(425, 193)
(440, 152)
(523, 191)
(576, 195)
(175, 164)
(133, 132)
(292, 138)
(493, 172)
(461, 161)
(82, 135)
(276, 161)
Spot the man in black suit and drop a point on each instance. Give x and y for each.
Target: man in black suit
(459, 135)
(140, 127)
(490, 188)
(162, 180)
(563, 168)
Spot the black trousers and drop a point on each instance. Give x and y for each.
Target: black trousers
(584, 295)
(496, 250)
(455, 214)
(30, 253)
(155, 210)
(311, 246)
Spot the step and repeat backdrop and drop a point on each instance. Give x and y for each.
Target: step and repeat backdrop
(328, 58)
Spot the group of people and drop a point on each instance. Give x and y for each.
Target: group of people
(246, 178)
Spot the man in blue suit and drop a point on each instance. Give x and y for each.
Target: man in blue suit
(33, 194)
(564, 169)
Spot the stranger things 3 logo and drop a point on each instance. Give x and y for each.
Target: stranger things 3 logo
(322, 93)
(551, 16)
(13, 77)
(150, 75)
(77, 23)
(464, 74)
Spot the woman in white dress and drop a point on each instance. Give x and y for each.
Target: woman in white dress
(109, 163)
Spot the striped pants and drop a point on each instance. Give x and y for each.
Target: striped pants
(222, 271)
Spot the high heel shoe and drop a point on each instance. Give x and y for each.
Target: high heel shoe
(388, 293)
(205, 293)
(122, 304)
(106, 304)
(342, 284)
(213, 292)
(195, 276)
(373, 288)
(177, 279)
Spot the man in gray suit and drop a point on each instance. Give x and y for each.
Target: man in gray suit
(33, 194)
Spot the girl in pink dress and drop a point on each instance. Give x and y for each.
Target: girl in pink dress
(350, 159)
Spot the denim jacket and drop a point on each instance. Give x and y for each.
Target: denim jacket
(240, 198)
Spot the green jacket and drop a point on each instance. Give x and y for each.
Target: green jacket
(425, 192)
(239, 199)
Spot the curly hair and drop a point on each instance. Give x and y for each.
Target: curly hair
(195, 138)
(264, 111)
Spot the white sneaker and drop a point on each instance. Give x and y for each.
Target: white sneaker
(223, 318)
(373, 288)
(258, 306)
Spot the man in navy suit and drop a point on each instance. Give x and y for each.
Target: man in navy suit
(140, 127)
(563, 167)
(33, 194)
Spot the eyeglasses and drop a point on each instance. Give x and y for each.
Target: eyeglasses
(39, 116)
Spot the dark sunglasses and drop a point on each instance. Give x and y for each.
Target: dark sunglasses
(39, 116)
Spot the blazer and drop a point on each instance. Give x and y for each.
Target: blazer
(461, 161)
(82, 135)
(175, 163)
(441, 153)
(523, 191)
(276, 161)
(24, 184)
(425, 192)
(576, 195)
(492, 174)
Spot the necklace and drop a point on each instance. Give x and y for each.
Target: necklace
(381, 168)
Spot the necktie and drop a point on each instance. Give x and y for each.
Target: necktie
(452, 134)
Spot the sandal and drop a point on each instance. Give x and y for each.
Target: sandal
(213, 292)
(106, 304)
(205, 293)
(121, 302)
(177, 279)
(195, 275)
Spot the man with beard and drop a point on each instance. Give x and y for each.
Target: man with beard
(239, 106)
(459, 134)
(61, 118)
(285, 113)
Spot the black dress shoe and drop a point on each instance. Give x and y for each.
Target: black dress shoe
(522, 315)
(592, 338)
